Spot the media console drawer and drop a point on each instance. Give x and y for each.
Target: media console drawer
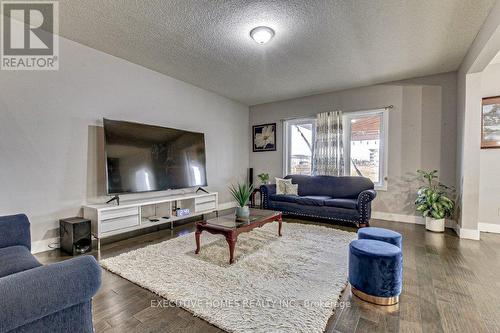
(202, 207)
(119, 223)
(207, 198)
(119, 212)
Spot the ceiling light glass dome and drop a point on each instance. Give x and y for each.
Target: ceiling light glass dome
(262, 34)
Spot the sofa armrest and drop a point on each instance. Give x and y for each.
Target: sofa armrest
(364, 205)
(15, 230)
(265, 191)
(33, 294)
(366, 196)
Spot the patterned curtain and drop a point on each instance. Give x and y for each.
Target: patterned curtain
(328, 156)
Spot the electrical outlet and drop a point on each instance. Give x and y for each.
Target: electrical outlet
(498, 211)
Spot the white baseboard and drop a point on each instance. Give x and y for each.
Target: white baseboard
(44, 245)
(398, 217)
(469, 234)
(462, 233)
(489, 227)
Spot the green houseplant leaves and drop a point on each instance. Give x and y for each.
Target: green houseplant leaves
(241, 193)
(433, 197)
(264, 178)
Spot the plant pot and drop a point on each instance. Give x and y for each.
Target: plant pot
(434, 225)
(242, 212)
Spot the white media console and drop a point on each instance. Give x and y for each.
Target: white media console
(111, 219)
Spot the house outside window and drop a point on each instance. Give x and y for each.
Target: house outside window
(299, 142)
(365, 145)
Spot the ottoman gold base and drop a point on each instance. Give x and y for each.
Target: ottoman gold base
(375, 299)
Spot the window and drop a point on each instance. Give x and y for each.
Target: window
(365, 138)
(299, 139)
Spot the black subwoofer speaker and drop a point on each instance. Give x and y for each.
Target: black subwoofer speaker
(250, 176)
(75, 235)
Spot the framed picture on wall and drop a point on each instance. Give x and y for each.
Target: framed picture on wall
(490, 122)
(264, 137)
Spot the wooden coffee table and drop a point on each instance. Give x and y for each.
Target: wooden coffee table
(231, 227)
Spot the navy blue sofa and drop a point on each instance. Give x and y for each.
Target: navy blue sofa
(344, 199)
(37, 298)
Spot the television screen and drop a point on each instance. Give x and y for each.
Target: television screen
(142, 158)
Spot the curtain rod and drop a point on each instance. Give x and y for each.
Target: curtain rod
(387, 107)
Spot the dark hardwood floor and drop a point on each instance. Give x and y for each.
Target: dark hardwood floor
(450, 285)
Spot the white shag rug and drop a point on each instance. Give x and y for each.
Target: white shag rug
(277, 284)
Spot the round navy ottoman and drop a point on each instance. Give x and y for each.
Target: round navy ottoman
(375, 271)
(381, 234)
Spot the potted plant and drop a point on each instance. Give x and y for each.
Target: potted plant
(241, 193)
(433, 201)
(264, 178)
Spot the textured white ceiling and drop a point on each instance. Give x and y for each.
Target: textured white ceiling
(319, 46)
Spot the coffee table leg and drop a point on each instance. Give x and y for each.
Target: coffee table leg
(231, 241)
(198, 245)
(280, 221)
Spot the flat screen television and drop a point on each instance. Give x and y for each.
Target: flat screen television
(144, 158)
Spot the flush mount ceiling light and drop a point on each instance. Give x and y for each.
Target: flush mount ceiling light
(262, 34)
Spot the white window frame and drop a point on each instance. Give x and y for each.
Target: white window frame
(346, 118)
(287, 139)
(384, 143)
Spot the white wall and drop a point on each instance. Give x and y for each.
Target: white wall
(489, 181)
(483, 49)
(421, 131)
(50, 163)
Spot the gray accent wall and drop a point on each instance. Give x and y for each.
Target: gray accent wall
(50, 136)
(422, 131)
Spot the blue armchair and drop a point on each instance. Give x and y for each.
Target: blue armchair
(345, 199)
(37, 298)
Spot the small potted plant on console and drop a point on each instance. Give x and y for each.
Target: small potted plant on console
(433, 201)
(264, 178)
(241, 193)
